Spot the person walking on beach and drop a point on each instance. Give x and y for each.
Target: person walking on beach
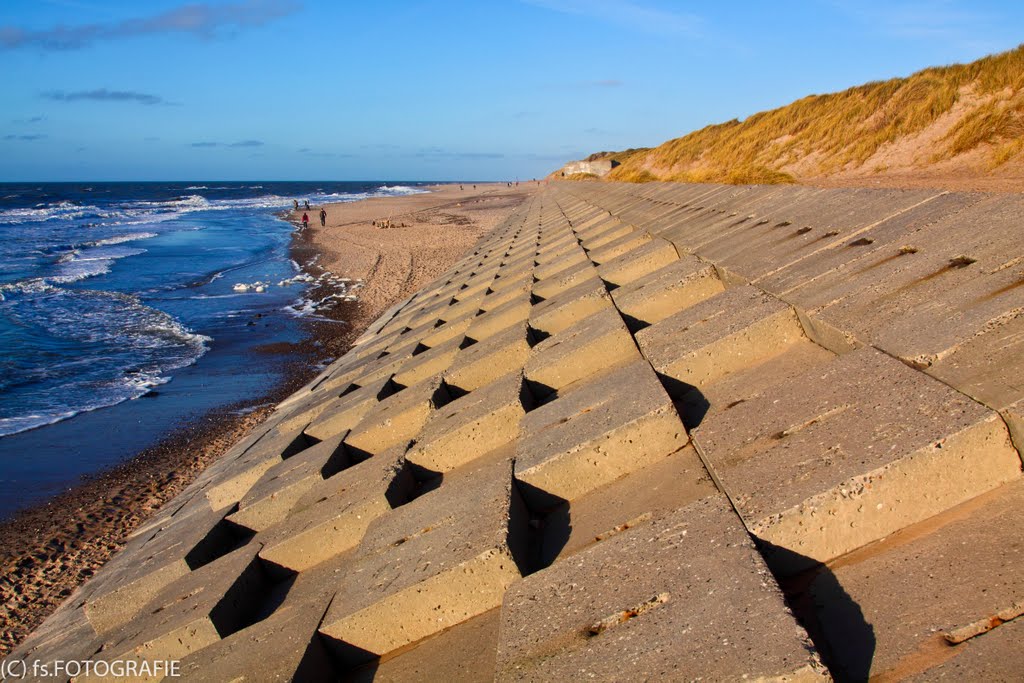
(307, 205)
(296, 204)
(323, 217)
(305, 220)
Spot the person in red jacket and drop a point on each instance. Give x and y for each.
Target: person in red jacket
(305, 220)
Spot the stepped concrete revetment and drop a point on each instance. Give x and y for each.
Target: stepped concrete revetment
(652, 432)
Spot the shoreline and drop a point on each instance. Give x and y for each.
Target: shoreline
(52, 547)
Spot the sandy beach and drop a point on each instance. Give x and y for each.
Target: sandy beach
(48, 550)
(428, 233)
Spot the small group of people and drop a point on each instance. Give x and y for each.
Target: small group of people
(305, 215)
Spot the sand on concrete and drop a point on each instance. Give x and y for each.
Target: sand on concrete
(50, 549)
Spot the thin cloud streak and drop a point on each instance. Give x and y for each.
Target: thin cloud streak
(207, 144)
(203, 20)
(25, 138)
(104, 95)
(327, 155)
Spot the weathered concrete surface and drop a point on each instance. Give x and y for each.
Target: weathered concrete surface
(964, 572)
(855, 451)
(399, 417)
(668, 290)
(598, 343)
(996, 656)
(332, 515)
(600, 167)
(592, 435)
(462, 653)
(482, 362)
(725, 333)
(442, 559)
(472, 426)
(654, 601)
(582, 448)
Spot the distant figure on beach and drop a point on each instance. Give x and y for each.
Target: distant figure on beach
(305, 220)
(296, 204)
(323, 217)
(307, 205)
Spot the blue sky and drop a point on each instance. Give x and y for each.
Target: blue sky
(310, 89)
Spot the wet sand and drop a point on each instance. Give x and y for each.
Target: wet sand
(48, 550)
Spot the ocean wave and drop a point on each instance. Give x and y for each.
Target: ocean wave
(119, 239)
(402, 189)
(79, 264)
(48, 212)
(35, 285)
(140, 212)
(23, 423)
(126, 388)
(116, 348)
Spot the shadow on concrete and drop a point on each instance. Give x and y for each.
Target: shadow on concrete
(539, 527)
(410, 482)
(834, 621)
(537, 394)
(327, 659)
(633, 324)
(225, 537)
(254, 595)
(690, 403)
(318, 665)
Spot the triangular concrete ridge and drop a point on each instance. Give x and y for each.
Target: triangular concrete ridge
(653, 431)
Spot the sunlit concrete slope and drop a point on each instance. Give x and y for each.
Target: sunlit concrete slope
(641, 432)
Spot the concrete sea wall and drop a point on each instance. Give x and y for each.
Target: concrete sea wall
(642, 431)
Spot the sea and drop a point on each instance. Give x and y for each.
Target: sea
(129, 309)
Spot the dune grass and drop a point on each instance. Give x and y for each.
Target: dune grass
(844, 129)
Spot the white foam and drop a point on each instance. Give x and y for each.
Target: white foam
(81, 264)
(157, 342)
(402, 189)
(141, 211)
(120, 239)
(23, 423)
(48, 212)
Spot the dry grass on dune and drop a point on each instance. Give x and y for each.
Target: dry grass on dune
(821, 135)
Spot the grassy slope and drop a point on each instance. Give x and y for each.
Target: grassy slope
(980, 107)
